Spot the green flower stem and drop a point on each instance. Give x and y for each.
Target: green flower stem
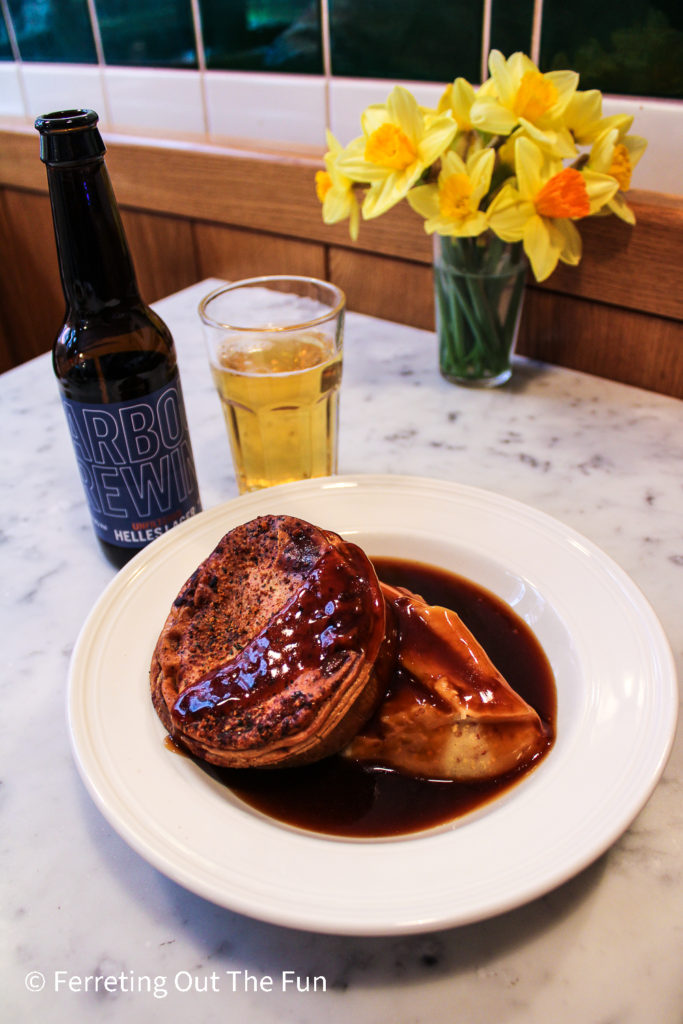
(485, 296)
(515, 307)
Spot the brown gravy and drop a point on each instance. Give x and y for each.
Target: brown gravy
(342, 798)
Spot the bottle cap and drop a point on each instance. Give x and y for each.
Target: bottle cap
(69, 137)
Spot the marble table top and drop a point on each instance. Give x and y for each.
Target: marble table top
(79, 904)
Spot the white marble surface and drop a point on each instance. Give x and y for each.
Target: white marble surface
(79, 903)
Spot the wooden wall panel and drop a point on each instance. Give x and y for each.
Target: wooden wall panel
(639, 267)
(194, 210)
(233, 253)
(384, 287)
(7, 358)
(30, 288)
(260, 191)
(621, 344)
(269, 190)
(163, 253)
(273, 191)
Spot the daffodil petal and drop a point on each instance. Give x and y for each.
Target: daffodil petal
(382, 195)
(336, 207)
(600, 188)
(377, 200)
(488, 115)
(566, 83)
(480, 170)
(445, 102)
(636, 146)
(557, 143)
(519, 64)
(618, 206)
(564, 148)
(508, 214)
(473, 225)
(462, 97)
(373, 117)
(540, 136)
(538, 245)
(622, 122)
(357, 168)
(487, 88)
(424, 200)
(528, 166)
(469, 227)
(403, 110)
(505, 79)
(602, 151)
(333, 145)
(436, 139)
(565, 235)
(363, 172)
(583, 114)
(452, 163)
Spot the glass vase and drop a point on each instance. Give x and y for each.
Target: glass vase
(479, 291)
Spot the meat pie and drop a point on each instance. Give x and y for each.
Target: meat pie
(268, 656)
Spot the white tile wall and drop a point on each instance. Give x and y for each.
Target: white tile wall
(155, 100)
(267, 107)
(11, 99)
(49, 87)
(288, 109)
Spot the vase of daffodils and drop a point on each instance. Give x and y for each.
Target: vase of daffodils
(500, 175)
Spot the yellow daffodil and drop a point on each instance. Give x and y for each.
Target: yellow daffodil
(519, 97)
(541, 208)
(583, 117)
(457, 100)
(335, 191)
(451, 206)
(399, 142)
(523, 156)
(616, 155)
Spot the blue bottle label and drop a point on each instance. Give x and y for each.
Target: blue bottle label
(136, 465)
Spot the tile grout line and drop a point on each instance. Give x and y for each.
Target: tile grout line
(201, 62)
(536, 27)
(99, 51)
(485, 40)
(327, 57)
(14, 47)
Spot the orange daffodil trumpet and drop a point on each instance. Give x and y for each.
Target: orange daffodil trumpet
(504, 159)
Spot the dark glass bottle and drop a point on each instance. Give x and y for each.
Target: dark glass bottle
(114, 357)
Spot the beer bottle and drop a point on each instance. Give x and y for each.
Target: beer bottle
(114, 357)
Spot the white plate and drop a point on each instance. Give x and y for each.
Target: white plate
(617, 706)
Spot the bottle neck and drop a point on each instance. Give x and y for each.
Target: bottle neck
(95, 264)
